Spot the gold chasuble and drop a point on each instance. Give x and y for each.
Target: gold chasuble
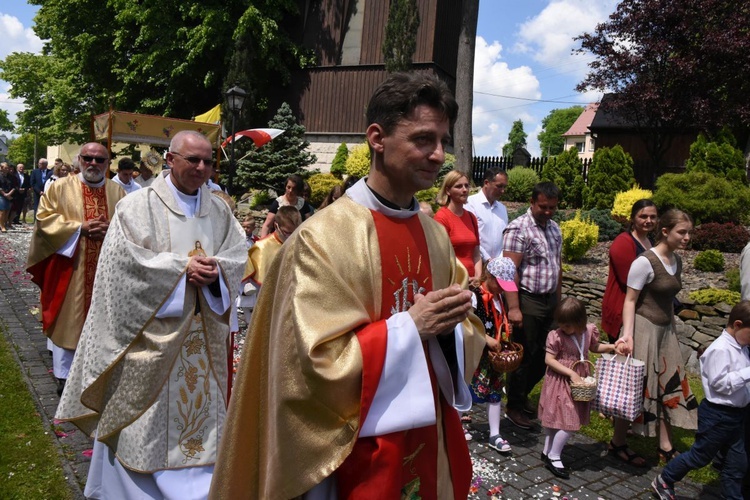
(67, 283)
(260, 256)
(154, 389)
(312, 359)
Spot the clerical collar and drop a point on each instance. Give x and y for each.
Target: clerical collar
(190, 204)
(362, 194)
(92, 184)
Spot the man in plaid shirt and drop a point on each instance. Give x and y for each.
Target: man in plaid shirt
(533, 242)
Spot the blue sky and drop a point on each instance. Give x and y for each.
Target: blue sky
(523, 60)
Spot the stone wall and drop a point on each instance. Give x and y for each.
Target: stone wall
(697, 325)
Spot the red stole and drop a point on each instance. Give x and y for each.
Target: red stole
(401, 464)
(54, 273)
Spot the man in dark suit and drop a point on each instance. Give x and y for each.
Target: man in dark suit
(38, 177)
(22, 183)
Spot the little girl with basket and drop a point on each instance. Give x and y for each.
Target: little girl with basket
(560, 411)
(487, 383)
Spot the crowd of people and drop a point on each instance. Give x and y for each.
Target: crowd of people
(373, 326)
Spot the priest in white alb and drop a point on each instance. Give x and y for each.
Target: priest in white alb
(150, 378)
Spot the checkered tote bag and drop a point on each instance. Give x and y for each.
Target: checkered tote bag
(620, 389)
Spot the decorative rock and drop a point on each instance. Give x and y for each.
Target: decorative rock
(723, 307)
(703, 339)
(715, 320)
(686, 314)
(705, 310)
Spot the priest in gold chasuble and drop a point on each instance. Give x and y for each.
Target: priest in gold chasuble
(150, 378)
(362, 339)
(72, 220)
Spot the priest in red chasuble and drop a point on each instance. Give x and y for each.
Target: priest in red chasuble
(362, 339)
(71, 223)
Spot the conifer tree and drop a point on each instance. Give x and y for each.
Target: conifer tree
(400, 35)
(270, 165)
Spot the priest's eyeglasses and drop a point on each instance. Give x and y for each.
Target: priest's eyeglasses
(195, 160)
(91, 159)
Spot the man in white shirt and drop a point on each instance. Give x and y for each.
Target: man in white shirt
(492, 215)
(124, 175)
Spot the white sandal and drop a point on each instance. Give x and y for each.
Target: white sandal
(499, 444)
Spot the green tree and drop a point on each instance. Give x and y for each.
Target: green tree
(554, 125)
(338, 165)
(671, 66)
(5, 123)
(516, 138)
(718, 156)
(611, 172)
(163, 57)
(21, 150)
(565, 171)
(400, 35)
(270, 165)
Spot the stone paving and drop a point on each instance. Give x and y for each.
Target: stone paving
(521, 475)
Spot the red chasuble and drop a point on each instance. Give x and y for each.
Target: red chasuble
(401, 464)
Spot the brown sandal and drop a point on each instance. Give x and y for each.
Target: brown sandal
(626, 455)
(667, 456)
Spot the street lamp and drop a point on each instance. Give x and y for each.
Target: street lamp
(235, 98)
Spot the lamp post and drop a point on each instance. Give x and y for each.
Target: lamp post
(235, 98)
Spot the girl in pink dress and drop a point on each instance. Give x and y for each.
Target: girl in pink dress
(559, 414)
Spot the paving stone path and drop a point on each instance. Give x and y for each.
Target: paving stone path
(522, 475)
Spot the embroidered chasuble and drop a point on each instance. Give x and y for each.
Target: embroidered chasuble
(66, 283)
(152, 382)
(306, 407)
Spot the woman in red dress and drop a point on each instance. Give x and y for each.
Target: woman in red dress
(461, 225)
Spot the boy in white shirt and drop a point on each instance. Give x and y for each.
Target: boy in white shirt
(725, 373)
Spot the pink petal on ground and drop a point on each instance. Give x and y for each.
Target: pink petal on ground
(87, 453)
(61, 434)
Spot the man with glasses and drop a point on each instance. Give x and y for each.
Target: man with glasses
(492, 215)
(72, 220)
(151, 375)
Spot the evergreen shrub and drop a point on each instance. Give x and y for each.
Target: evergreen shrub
(358, 162)
(579, 236)
(608, 227)
(565, 171)
(430, 196)
(733, 280)
(711, 261)
(625, 200)
(727, 237)
(712, 296)
(611, 172)
(338, 165)
(706, 197)
(718, 156)
(321, 185)
(260, 198)
(521, 182)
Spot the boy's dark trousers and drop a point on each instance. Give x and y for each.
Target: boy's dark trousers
(719, 426)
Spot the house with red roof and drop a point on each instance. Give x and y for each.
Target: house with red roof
(579, 136)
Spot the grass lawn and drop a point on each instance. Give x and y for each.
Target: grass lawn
(29, 463)
(601, 430)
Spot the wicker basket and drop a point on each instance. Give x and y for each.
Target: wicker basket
(507, 357)
(583, 391)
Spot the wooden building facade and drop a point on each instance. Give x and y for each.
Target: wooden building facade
(346, 37)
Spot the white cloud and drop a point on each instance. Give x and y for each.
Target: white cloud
(548, 36)
(493, 115)
(16, 38)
